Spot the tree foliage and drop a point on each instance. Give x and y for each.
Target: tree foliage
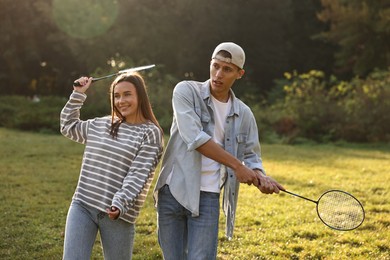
(361, 29)
(46, 44)
(323, 108)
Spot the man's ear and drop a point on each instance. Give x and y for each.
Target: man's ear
(241, 73)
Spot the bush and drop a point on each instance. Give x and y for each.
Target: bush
(311, 107)
(321, 109)
(366, 105)
(43, 114)
(32, 115)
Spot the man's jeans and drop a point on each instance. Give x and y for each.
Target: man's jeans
(182, 236)
(82, 225)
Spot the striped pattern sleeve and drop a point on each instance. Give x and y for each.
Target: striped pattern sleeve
(70, 124)
(138, 179)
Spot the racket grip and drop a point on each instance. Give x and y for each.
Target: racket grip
(76, 84)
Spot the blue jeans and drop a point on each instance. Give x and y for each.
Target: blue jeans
(182, 236)
(82, 225)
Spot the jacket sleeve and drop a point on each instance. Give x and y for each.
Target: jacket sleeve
(187, 109)
(251, 146)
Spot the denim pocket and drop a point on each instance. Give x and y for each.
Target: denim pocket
(241, 144)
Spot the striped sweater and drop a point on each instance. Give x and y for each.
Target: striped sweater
(114, 172)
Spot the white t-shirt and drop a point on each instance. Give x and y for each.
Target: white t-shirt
(210, 169)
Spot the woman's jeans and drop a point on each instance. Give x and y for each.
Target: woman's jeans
(182, 236)
(82, 225)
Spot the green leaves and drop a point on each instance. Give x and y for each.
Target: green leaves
(85, 19)
(361, 30)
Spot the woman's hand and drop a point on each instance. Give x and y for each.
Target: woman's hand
(113, 212)
(84, 82)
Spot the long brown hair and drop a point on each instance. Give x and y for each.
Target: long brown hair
(143, 102)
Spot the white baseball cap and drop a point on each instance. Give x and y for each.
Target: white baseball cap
(238, 54)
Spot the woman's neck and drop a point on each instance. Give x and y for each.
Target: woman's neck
(135, 119)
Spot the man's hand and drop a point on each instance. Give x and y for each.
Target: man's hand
(267, 185)
(246, 175)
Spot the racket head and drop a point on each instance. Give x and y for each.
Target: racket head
(340, 210)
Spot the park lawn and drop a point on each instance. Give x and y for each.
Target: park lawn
(39, 173)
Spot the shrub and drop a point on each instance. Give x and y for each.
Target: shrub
(26, 114)
(326, 109)
(366, 105)
(43, 115)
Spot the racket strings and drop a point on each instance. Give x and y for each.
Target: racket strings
(340, 210)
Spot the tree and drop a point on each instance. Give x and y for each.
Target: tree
(46, 44)
(361, 29)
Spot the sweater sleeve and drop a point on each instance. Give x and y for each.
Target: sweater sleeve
(70, 124)
(141, 171)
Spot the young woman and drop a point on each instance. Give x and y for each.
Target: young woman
(121, 153)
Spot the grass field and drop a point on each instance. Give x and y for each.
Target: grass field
(39, 173)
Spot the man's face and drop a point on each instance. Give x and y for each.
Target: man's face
(222, 77)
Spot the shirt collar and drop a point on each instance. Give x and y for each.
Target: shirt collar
(205, 93)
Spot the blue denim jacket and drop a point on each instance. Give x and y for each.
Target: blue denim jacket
(192, 126)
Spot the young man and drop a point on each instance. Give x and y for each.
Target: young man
(213, 144)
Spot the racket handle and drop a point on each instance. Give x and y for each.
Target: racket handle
(76, 84)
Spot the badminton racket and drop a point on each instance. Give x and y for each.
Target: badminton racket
(77, 84)
(338, 209)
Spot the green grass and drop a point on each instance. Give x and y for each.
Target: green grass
(39, 173)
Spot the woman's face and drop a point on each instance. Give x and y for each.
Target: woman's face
(126, 101)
